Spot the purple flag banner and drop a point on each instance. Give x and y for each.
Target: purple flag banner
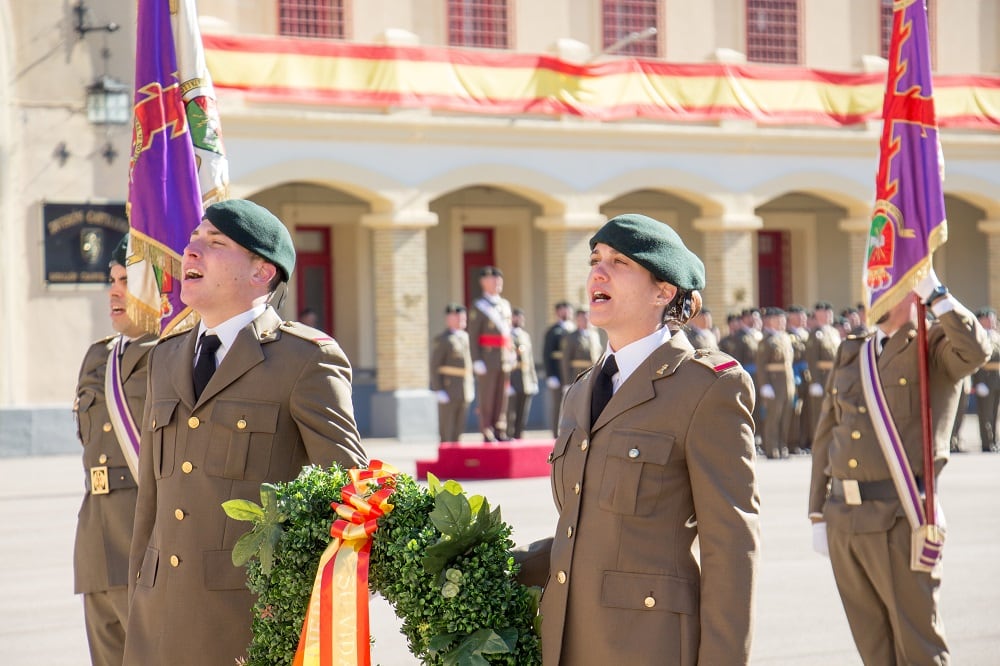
(908, 222)
(177, 160)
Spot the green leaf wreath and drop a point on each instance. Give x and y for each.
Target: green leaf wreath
(440, 558)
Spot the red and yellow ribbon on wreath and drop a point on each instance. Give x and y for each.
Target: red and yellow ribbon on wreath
(335, 631)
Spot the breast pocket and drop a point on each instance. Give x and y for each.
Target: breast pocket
(242, 439)
(163, 440)
(635, 472)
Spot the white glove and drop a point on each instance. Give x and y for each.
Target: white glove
(820, 544)
(816, 390)
(442, 397)
(927, 285)
(982, 390)
(479, 367)
(767, 392)
(553, 382)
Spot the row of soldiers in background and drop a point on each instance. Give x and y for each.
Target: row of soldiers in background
(790, 355)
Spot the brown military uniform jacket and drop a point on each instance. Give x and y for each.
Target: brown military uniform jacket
(280, 399)
(104, 524)
(670, 458)
(701, 338)
(580, 350)
(524, 377)
(845, 445)
(451, 366)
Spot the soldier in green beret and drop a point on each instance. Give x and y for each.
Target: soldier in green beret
(655, 448)
(240, 399)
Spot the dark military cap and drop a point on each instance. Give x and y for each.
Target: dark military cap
(824, 305)
(517, 311)
(654, 246)
(773, 312)
(452, 308)
(796, 309)
(490, 271)
(732, 316)
(985, 312)
(120, 253)
(257, 229)
(563, 304)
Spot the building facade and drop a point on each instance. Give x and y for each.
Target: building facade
(406, 143)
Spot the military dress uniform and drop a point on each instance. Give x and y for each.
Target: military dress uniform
(774, 368)
(701, 338)
(552, 353)
(523, 383)
(489, 342)
(799, 436)
(988, 376)
(104, 524)
(451, 372)
(669, 458)
(892, 610)
(581, 349)
(821, 350)
(279, 400)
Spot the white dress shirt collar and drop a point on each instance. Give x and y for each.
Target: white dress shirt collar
(229, 329)
(633, 354)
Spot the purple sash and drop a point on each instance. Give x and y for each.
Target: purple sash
(121, 416)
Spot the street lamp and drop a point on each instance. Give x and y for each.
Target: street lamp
(109, 102)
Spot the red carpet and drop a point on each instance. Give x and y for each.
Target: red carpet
(481, 460)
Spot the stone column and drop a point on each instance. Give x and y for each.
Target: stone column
(403, 406)
(730, 262)
(857, 229)
(991, 227)
(567, 246)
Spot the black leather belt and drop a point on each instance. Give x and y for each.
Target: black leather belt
(867, 490)
(103, 479)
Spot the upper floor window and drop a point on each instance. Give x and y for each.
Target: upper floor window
(885, 27)
(480, 23)
(773, 31)
(629, 27)
(320, 19)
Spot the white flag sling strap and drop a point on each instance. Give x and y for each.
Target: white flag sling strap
(118, 409)
(927, 542)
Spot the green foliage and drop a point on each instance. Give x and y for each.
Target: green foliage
(439, 557)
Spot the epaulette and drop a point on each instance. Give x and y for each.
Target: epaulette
(716, 361)
(299, 330)
(176, 332)
(860, 336)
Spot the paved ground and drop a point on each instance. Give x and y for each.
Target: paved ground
(799, 617)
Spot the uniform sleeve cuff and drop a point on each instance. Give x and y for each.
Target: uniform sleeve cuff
(943, 305)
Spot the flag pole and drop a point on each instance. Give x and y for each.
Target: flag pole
(925, 413)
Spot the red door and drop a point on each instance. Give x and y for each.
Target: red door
(772, 267)
(314, 279)
(477, 252)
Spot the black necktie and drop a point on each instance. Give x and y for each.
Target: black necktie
(603, 388)
(204, 366)
(881, 345)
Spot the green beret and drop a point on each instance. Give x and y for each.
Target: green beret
(120, 253)
(257, 229)
(454, 308)
(985, 312)
(491, 271)
(654, 246)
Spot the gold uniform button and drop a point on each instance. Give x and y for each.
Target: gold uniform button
(633, 453)
(186, 467)
(902, 381)
(834, 391)
(561, 576)
(862, 409)
(175, 561)
(178, 514)
(649, 602)
(154, 424)
(855, 434)
(103, 459)
(584, 444)
(569, 532)
(194, 422)
(106, 427)
(852, 463)
(576, 488)
(241, 424)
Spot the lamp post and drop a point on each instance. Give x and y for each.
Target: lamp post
(108, 102)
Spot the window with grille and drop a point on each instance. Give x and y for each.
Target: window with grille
(627, 26)
(319, 19)
(885, 21)
(773, 31)
(479, 23)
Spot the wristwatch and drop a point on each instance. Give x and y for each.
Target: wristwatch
(939, 292)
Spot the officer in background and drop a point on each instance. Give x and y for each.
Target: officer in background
(775, 382)
(581, 348)
(451, 373)
(986, 383)
(492, 354)
(523, 378)
(241, 399)
(799, 436)
(821, 350)
(700, 332)
(552, 358)
(104, 524)
(857, 514)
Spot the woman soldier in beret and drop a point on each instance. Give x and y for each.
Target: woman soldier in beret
(664, 456)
